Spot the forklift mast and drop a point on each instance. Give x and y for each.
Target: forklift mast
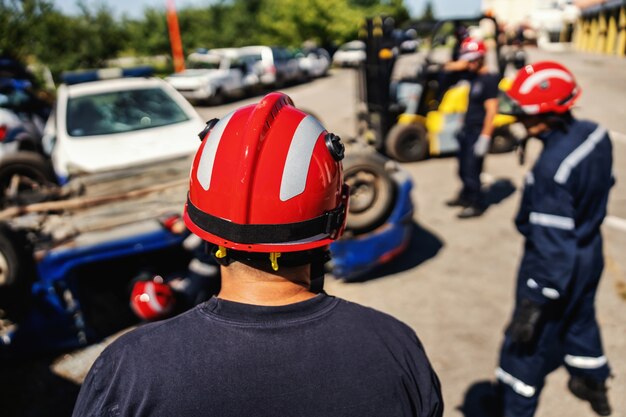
(374, 75)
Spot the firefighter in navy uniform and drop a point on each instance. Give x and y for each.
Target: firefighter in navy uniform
(563, 205)
(475, 135)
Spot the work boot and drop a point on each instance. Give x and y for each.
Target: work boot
(470, 211)
(457, 202)
(592, 391)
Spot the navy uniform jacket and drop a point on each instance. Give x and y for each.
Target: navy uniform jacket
(563, 206)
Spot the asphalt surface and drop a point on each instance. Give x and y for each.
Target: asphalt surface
(454, 285)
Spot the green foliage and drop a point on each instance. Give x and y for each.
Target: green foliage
(35, 30)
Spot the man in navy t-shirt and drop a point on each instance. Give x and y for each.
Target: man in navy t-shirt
(266, 193)
(475, 135)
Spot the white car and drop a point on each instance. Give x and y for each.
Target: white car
(212, 76)
(350, 54)
(107, 125)
(314, 62)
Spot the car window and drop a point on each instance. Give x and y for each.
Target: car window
(122, 111)
(193, 64)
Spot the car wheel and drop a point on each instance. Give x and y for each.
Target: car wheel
(407, 142)
(16, 272)
(218, 98)
(25, 178)
(372, 191)
(502, 140)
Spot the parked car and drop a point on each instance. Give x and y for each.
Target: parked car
(314, 62)
(23, 115)
(212, 76)
(119, 123)
(275, 66)
(350, 54)
(65, 267)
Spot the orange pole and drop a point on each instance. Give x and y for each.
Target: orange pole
(175, 41)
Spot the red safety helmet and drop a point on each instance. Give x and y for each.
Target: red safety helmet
(472, 49)
(267, 178)
(543, 87)
(152, 300)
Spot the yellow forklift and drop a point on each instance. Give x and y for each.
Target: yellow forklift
(410, 117)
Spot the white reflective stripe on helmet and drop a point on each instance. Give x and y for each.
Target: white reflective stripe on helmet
(299, 157)
(531, 108)
(551, 220)
(581, 152)
(585, 362)
(151, 298)
(541, 76)
(470, 56)
(207, 159)
(517, 385)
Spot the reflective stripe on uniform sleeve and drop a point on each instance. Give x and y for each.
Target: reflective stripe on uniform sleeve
(585, 362)
(551, 220)
(547, 292)
(517, 385)
(580, 153)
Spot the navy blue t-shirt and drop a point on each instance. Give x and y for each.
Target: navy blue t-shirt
(321, 357)
(482, 88)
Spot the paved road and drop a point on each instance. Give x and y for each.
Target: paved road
(455, 284)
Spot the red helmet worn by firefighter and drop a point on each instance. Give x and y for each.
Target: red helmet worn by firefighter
(472, 49)
(543, 87)
(267, 178)
(152, 300)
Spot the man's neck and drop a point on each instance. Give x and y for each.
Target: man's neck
(244, 284)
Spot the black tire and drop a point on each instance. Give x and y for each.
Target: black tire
(16, 272)
(218, 98)
(407, 142)
(502, 140)
(24, 179)
(372, 191)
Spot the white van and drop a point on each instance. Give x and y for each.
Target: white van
(211, 76)
(274, 65)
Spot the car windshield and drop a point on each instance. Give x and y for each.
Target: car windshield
(203, 64)
(122, 111)
(352, 47)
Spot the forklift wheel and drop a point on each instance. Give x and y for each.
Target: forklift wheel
(407, 143)
(372, 191)
(502, 141)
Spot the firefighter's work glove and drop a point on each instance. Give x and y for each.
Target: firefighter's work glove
(524, 327)
(482, 145)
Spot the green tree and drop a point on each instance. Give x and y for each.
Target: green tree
(428, 14)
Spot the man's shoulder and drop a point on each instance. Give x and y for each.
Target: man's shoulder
(569, 148)
(156, 334)
(372, 318)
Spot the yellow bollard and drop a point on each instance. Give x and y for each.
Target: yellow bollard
(586, 35)
(611, 35)
(578, 34)
(593, 35)
(621, 37)
(600, 42)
